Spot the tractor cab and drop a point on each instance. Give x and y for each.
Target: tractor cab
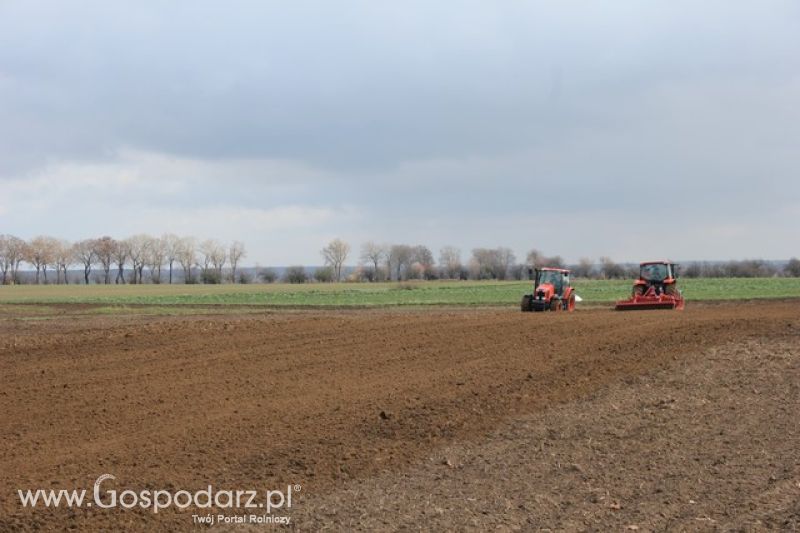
(660, 275)
(558, 279)
(551, 291)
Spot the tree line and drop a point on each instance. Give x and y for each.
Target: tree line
(143, 258)
(400, 262)
(133, 260)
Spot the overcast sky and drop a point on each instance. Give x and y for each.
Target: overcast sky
(623, 128)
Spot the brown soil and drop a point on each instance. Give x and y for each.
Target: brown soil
(331, 400)
(710, 444)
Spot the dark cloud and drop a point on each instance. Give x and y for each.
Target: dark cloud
(413, 111)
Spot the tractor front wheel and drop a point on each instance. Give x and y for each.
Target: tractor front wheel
(555, 304)
(527, 303)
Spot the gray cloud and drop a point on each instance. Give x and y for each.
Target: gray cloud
(476, 124)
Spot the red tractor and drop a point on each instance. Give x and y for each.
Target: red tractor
(551, 292)
(656, 288)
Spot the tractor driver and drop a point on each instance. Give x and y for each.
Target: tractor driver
(558, 283)
(653, 273)
(562, 283)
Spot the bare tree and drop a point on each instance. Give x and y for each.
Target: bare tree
(422, 262)
(214, 257)
(16, 251)
(5, 263)
(50, 255)
(692, 270)
(138, 249)
(186, 255)
(584, 268)
(104, 249)
(34, 255)
(450, 262)
(206, 251)
(172, 246)
(154, 257)
(218, 259)
(611, 270)
(399, 259)
(141, 251)
(374, 254)
(120, 255)
(85, 253)
(491, 263)
(792, 268)
(5, 259)
(335, 254)
(235, 254)
(40, 255)
(750, 268)
(484, 263)
(7, 256)
(63, 259)
(505, 260)
(536, 258)
(518, 271)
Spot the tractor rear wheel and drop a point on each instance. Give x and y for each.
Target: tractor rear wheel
(638, 290)
(571, 303)
(671, 289)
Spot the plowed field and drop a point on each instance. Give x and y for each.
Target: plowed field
(323, 400)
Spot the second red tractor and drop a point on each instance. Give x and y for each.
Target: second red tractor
(655, 288)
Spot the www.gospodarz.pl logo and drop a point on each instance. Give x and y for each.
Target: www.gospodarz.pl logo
(266, 502)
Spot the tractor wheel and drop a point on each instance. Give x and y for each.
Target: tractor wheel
(555, 304)
(671, 289)
(527, 303)
(638, 290)
(571, 303)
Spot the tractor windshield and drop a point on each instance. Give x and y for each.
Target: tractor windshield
(654, 272)
(550, 276)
